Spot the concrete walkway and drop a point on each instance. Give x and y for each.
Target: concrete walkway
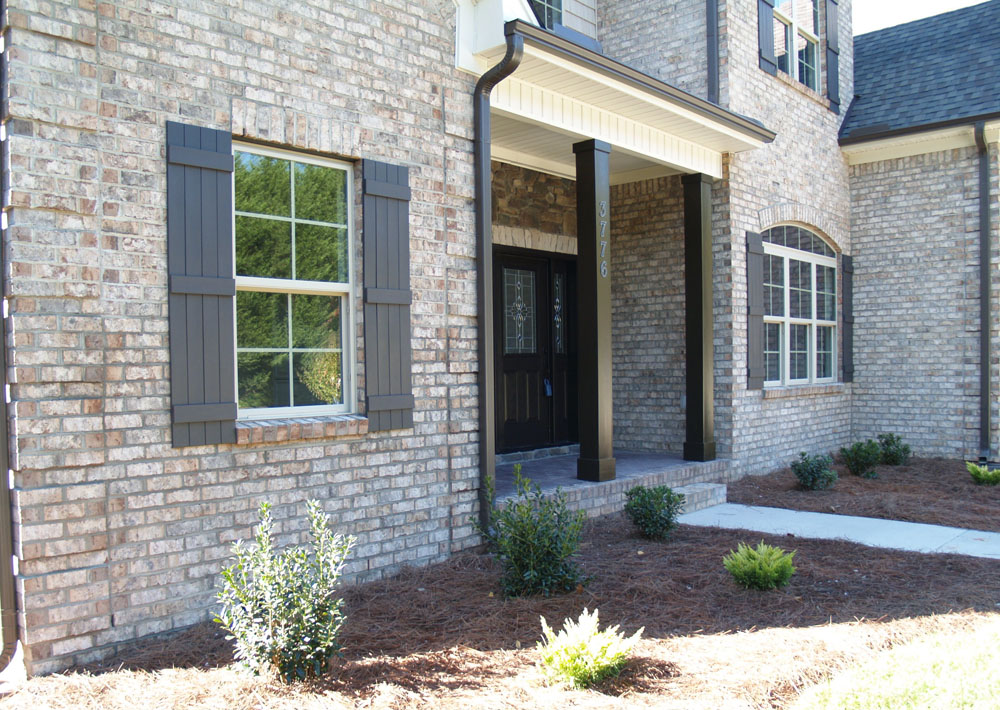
(893, 534)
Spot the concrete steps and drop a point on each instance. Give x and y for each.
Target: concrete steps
(698, 496)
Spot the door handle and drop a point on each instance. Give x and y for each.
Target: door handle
(548, 387)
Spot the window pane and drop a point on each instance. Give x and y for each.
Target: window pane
(826, 292)
(559, 313)
(781, 34)
(263, 185)
(262, 379)
(316, 321)
(799, 289)
(261, 320)
(320, 193)
(806, 51)
(772, 352)
(824, 351)
(798, 352)
(519, 311)
(318, 379)
(807, 15)
(263, 248)
(774, 285)
(320, 253)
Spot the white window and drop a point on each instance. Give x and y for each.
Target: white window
(796, 39)
(800, 307)
(548, 12)
(294, 334)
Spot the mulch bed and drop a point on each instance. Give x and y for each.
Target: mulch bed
(434, 632)
(937, 491)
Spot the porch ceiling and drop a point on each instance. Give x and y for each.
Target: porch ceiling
(562, 93)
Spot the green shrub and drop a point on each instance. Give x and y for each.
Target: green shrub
(581, 654)
(535, 539)
(983, 475)
(653, 510)
(814, 472)
(280, 606)
(894, 451)
(861, 458)
(764, 567)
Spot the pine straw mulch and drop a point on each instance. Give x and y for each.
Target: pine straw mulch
(442, 637)
(936, 491)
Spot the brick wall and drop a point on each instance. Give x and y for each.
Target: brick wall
(119, 534)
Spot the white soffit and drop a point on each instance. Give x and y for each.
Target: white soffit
(917, 144)
(551, 102)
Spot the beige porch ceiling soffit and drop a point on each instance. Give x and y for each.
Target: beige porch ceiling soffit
(562, 93)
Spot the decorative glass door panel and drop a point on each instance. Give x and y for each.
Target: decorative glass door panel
(519, 306)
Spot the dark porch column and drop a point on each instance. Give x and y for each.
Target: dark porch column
(700, 443)
(596, 462)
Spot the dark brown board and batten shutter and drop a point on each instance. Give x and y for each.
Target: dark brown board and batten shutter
(765, 36)
(386, 210)
(201, 285)
(755, 312)
(833, 55)
(847, 271)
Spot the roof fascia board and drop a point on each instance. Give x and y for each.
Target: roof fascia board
(910, 130)
(910, 144)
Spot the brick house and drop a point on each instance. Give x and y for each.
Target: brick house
(354, 251)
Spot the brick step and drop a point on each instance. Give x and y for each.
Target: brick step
(698, 496)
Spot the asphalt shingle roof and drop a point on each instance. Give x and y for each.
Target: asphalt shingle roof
(942, 68)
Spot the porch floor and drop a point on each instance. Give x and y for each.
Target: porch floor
(632, 469)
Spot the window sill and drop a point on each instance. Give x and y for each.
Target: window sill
(787, 80)
(803, 390)
(261, 431)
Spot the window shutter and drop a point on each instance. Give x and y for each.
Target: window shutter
(847, 271)
(386, 206)
(201, 286)
(755, 312)
(833, 55)
(765, 36)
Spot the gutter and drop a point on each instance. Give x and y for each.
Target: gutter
(985, 319)
(484, 262)
(877, 132)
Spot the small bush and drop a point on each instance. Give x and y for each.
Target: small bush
(535, 539)
(280, 606)
(814, 472)
(861, 458)
(581, 654)
(894, 451)
(653, 510)
(983, 475)
(764, 567)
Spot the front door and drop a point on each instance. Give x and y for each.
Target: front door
(536, 373)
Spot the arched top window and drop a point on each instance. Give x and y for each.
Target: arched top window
(800, 307)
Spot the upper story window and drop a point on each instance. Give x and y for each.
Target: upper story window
(800, 307)
(548, 12)
(796, 39)
(293, 283)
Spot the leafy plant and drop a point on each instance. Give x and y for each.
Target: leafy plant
(861, 458)
(894, 451)
(983, 475)
(535, 538)
(814, 472)
(280, 606)
(581, 654)
(764, 567)
(653, 510)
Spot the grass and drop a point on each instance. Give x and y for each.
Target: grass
(939, 671)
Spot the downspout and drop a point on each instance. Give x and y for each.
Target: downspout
(484, 259)
(985, 319)
(712, 40)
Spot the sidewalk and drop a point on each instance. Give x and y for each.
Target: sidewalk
(875, 532)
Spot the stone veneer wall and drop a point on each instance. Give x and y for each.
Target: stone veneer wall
(119, 534)
(915, 232)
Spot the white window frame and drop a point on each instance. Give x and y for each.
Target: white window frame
(787, 16)
(786, 321)
(348, 354)
(556, 6)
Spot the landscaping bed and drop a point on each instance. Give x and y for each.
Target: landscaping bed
(937, 491)
(443, 637)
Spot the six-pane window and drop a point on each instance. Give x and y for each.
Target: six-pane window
(293, 273)
(796, 39)
(800, 307)
(548, 12)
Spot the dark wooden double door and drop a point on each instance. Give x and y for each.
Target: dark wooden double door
(534, 296)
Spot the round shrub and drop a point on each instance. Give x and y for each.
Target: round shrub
(653, 510)
(862, 457)
(894, 451)
(814, 472)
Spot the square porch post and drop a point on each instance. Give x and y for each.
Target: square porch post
(593, 209)
(700, 438)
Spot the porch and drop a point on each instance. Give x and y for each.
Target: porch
(701, 482)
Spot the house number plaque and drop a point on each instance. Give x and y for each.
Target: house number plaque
(604, 239)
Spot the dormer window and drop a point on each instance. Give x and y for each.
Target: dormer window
(548, 12)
